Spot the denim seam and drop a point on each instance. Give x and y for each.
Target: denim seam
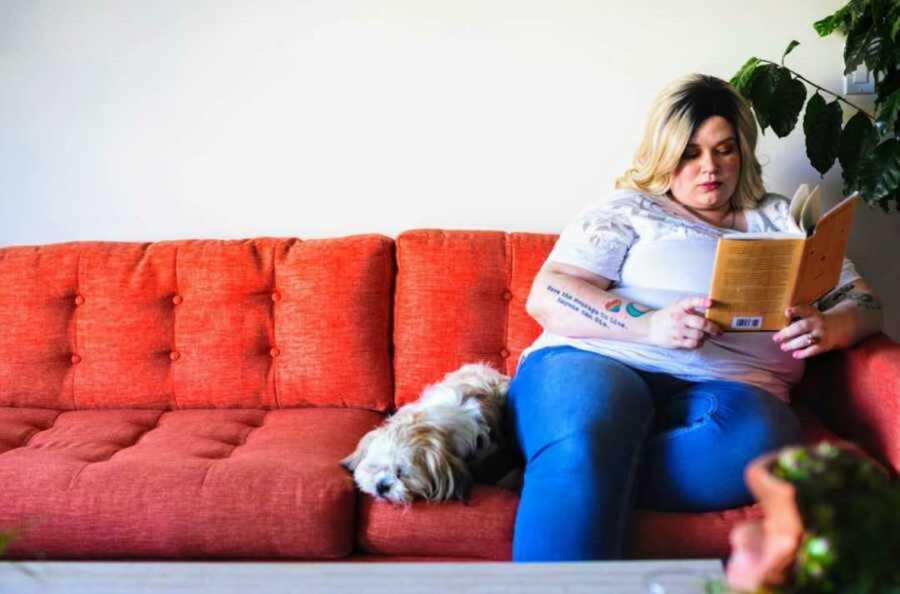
(541, 450)
(702, 422)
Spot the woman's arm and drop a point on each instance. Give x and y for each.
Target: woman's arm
(843, 318)
(571, 301)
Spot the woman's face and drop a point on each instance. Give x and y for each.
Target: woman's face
(707, 175)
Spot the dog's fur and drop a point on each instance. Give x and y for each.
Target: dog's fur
(430, 447)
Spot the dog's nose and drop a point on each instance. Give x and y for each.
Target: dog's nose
(382, 487)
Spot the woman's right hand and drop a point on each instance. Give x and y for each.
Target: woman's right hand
(681, 326)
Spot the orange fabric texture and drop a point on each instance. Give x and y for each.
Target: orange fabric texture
(192, 399)
(483, 529)
(461, 298)
(262, 323)
(857, 391)
(179, 484)
(659, 535)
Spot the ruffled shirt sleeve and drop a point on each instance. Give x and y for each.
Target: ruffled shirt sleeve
(597, 240)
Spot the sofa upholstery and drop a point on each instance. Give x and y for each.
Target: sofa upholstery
(192, 399)
(197, 324)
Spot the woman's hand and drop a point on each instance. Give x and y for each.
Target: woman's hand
(815, 332)
(681, 326)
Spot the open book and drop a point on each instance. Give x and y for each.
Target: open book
(756, 276)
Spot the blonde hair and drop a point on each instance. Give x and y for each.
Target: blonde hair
(681, 107)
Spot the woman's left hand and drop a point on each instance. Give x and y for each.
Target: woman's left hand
(811, 333)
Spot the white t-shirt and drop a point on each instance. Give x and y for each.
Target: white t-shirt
(655, 256)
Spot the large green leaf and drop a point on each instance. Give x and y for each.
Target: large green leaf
(887, 84)
(886, 16)
(762, 92)
(858, 38)
(864, 46)
(894, 18)
(879, 9)
(842, 19)
(858, 140)
(888, 112)
(826, 26)
(879, 174)
(786, 105)
(777, 98)
(743, 80)
(822, 127)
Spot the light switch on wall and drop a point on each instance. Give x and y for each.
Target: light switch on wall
(859, 82)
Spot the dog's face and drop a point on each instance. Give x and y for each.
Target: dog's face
(406, 459)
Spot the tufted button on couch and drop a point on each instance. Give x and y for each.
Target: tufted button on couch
(192, 399)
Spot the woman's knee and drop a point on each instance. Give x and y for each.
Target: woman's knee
(713, 431)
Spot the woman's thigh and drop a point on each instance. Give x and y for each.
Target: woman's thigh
(705, 436)
(562, 391)
(580, 420)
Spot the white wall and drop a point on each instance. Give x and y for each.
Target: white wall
(137, 120)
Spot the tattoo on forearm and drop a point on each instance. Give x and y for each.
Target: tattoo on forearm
(864, 300)
(847, 293)
(601, 318)
(835, 297)
(636, 311)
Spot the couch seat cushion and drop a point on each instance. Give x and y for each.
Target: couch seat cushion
(483, 528)
(480, 528)
(176, 484)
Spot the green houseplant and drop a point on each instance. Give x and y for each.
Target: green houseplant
(868, 146)
(832, 524)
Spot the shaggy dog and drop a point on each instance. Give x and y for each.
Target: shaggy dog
(429, 448)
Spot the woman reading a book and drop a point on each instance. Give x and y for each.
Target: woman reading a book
(631, 396)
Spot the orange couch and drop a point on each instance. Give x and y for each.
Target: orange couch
(191, 399)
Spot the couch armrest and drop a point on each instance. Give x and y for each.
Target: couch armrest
(856, 393)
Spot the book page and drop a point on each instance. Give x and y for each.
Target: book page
(812, 211)
(798, 202)
(753, 282)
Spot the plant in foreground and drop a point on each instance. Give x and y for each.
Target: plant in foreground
(832, 526)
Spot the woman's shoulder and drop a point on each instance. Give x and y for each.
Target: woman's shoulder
(621, 200)
(774, 211)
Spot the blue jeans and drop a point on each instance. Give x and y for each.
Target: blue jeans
(600, 438)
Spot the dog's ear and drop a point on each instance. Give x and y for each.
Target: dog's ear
(462, 480)
(352, 461)
(448, 475)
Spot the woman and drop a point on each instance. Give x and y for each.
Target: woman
(629, 384)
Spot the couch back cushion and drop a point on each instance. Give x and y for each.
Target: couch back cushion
(460, 298)
(261, 323)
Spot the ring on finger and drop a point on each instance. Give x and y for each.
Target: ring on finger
(811, 340)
